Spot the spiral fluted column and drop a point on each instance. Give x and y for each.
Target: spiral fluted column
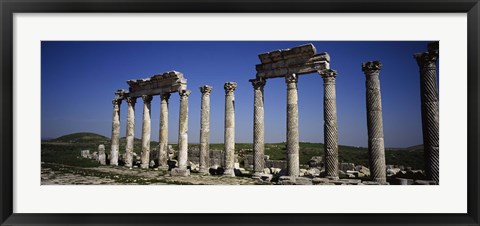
(258, 127)
(376, 145)
(330, 129)
(430, 115)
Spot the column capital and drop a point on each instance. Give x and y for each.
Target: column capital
(291, 78)
(230, 87)
(131, 100)
(371, 67)
(328, 73)
(147, 98)
(165, 96)
(206, 89)
(258, 83)
(426, 59)
(184, 93)
(116, 101)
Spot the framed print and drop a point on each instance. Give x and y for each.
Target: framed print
(255, 113)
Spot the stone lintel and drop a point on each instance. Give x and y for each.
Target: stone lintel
(171, 81)
(121, 94)
(307, 50)
(305, 67)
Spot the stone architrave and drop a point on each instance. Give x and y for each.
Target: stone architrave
(183, 130)
(376, 145)
(163, 139)
(330, 129)
(146, 130)
(293, 161)
(430, 115)
(101, 155)
(258, 127)
(130, 137)
(115, 132)
(229, 136)
(204, 162)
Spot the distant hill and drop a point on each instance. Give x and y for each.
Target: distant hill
(82, 138)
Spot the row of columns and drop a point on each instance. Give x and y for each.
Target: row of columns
(146, 131)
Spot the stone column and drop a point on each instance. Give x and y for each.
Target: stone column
(205, 130)
(130, 137)
(183, 130)
(229, 136)
(330, 130)
(258, 127)
(115, 132)
(145, 156)
(293, 161)
(163, 139)
(429, 97)
(101, 154)
(376, 146)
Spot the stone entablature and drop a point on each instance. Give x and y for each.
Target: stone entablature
(298, 60)
(167, 82)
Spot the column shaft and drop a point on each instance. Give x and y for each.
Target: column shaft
(204, 159)
(146, 130)
(229, 136)
(130, 137)
(376, 145)
(115, 132)
(163, 134)
(183, 130)
(430, 114)
(258, 127)
(293, 161)
(330, 130)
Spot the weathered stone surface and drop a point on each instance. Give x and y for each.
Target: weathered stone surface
(183, 130)
(130, 134)
(163, 135)
(101, 154)
(229, 135)
(297, 60)
(146, 130)
(204, 160)
(347, 166)
(177, 172)
(293, 161)
(376, 148)
(430, 115)
(330, 123)
(404, 181)
(318, 180)
(115, 131)
(313, 172)
(315, 161)
(167, 82)
(85, 154)
(258, 126)
(425, 182)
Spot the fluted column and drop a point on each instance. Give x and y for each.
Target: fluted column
(115, 132)
(229, 136)
(183, 130)
(376, 145)
(204, 161)
(293, 161)
(163, 134)
(258, 127)
(429, 97)
(330, 130)
(130, 137)
(145, 156)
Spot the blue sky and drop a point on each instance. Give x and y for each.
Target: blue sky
(79, 79)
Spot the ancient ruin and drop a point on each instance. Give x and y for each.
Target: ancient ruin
(204, 160)
(229, 135)
(289, 64)
(429, 97)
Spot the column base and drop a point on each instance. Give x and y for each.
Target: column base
(257, 175)
(144, 165)
(177, 172)
(229, 172)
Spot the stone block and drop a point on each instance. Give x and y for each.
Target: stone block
(403, 181)
(177, 172)
(425, 182)
(303, 181)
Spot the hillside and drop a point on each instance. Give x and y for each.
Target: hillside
(84, 137)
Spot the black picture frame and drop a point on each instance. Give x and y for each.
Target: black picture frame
(9, 7)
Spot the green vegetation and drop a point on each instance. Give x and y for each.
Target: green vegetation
(66, 150)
